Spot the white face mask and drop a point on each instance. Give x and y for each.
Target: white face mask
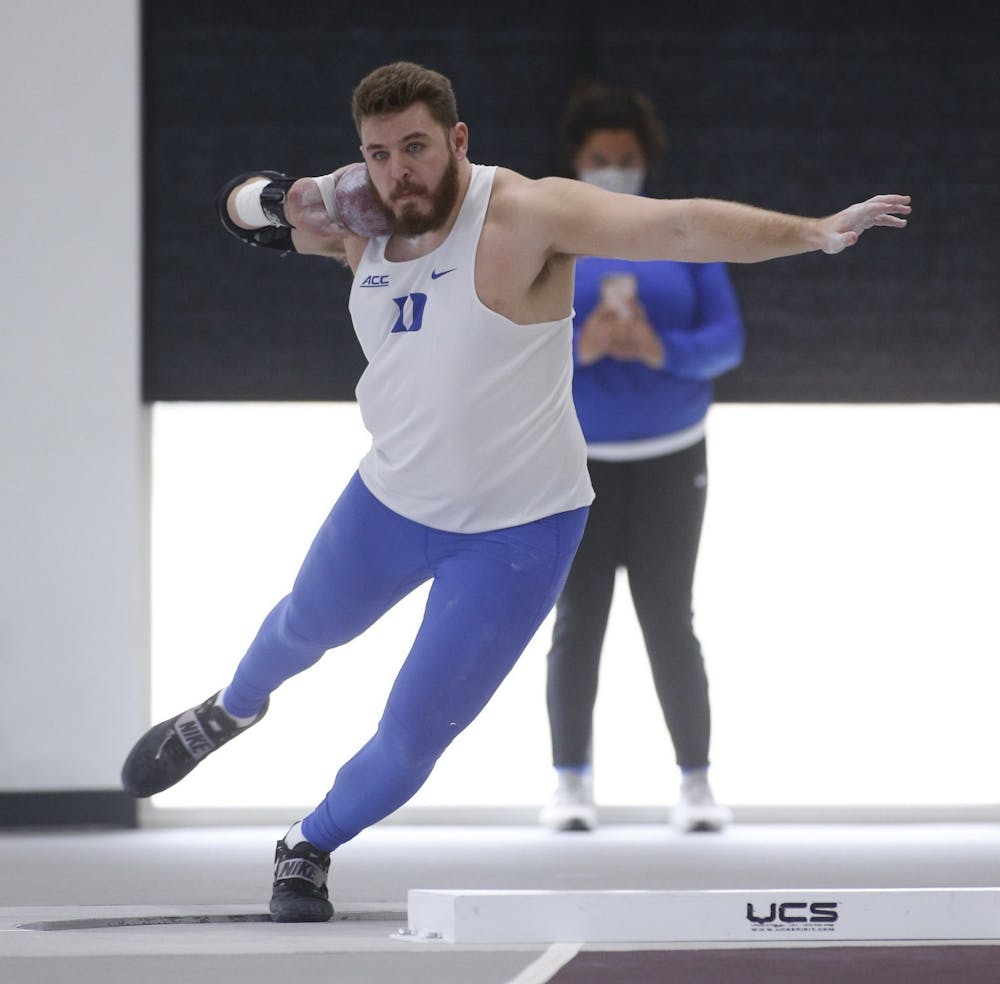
(627, 180)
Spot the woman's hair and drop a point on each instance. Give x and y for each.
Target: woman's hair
(595, 106)
(393, 88)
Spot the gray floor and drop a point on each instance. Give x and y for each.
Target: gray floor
(49, 879)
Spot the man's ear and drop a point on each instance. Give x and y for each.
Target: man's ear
(459, 140)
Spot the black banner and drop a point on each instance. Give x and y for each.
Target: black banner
(777, 104)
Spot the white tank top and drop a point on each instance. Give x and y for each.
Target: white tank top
(471, 415)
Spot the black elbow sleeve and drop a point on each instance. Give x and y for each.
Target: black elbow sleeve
(270, 236)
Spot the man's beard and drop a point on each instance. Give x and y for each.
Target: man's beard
(413, 222)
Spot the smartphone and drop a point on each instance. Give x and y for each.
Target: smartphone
(618, 290)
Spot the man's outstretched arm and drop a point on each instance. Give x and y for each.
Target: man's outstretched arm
(762, 235)
(584, 220)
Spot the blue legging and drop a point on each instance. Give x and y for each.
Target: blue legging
(490, 593)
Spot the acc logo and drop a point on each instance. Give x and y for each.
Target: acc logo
(794, 914)
(375, 280)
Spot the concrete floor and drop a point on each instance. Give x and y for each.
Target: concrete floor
(49, 879)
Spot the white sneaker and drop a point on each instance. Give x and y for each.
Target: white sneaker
(572, 808)
(696, 810)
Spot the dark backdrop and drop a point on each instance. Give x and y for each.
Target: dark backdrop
(800, 107)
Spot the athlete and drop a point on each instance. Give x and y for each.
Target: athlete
(476, 478)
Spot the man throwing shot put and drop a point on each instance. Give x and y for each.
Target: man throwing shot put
(476, 479)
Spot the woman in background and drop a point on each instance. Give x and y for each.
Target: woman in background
(649, 338)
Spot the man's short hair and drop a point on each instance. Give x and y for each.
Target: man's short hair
(393, 88)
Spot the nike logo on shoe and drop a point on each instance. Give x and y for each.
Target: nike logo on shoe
(188, 728)
(300, 868)
(435, 274)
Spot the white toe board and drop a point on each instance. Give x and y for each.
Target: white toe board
(823, 915)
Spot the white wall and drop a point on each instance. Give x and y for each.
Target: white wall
(73, 435)
(845, 600)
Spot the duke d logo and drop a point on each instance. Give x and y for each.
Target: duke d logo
(410, 315)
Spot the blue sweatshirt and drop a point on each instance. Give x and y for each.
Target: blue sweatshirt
(694, 310)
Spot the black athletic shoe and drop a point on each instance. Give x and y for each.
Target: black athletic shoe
(300, 893)
(169, 751)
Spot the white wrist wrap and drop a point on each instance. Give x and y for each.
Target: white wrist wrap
(246, 204)
(327, 188)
